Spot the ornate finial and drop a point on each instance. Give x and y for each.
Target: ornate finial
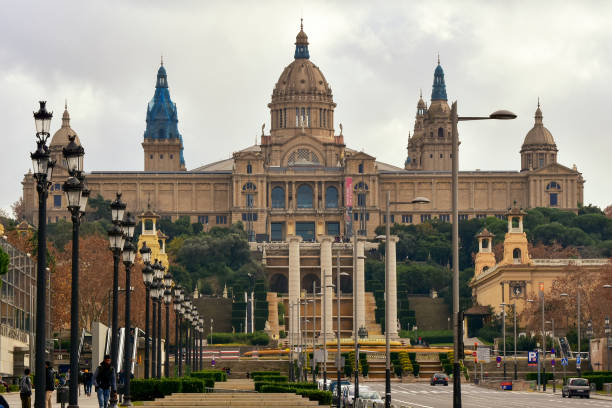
(162, 60)
(301, 23)
(263, 126)
(438, 58)
(420, 93)
(340, 129)
(66, 104)
(538, 101)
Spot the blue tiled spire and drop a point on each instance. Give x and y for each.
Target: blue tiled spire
(162, 119)
(301, 44)
(438, 92)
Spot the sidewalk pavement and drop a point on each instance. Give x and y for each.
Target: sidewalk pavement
(84, 401)
(594, 395)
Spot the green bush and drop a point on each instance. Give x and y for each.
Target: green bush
(363, 361)
(13, 388)
(196, 385)
(303, 385)
(255, 373)
(534, 376)
(257, 339)
(430, 336)
(216, 375)
(2, 389)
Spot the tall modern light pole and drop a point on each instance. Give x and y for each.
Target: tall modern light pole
(76, 194)
(338, 327)
(147, 277)
(552, 323)
(387, 238)
(579, 326)
(43, 171)
(607, 332)
(117, 240)
(129, 254)
(324, 321)
(455, 118)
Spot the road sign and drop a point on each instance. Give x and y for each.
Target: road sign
(484, 354)
(564, 361)
(532, 358)
(578, 360)
(552, 362)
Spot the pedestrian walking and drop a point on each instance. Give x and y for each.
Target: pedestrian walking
(25, 389)
(50, 384)
(105, 380)
(87, 382)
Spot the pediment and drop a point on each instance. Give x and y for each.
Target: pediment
(359, 156)
(554, 168)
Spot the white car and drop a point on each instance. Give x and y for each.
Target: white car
(348, 395)
(370, 398)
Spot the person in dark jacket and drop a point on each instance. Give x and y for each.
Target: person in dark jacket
(88, 382)
(25, 389)
(49, 383)
(105, 380)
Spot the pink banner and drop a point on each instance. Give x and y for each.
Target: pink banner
(348, 191)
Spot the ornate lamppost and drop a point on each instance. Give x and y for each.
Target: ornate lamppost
(129, 254)
(43, 171)
(177, 335)
(201, 350)
(167, 301)
(160, 299)
(117, 240)
(76, 195)
(147, 277)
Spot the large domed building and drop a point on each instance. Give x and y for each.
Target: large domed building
(302, 183)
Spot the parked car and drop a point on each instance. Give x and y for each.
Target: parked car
(348, 395)
(370, 398)
(576, 386)
(439, 378)
(332, 387)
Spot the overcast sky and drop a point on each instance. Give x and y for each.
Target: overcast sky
(223, 59)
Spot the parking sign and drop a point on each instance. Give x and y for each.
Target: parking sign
(532, 359)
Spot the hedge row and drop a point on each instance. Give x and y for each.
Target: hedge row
(271, 378)
(216, 375)
(599, 379)
(254, 373)
(148, 390)
(302, 385)
(323, 397)
(534, 376)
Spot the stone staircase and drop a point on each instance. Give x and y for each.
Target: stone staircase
(377, 370)
(235, 400)
(429, 363)
(374, 328)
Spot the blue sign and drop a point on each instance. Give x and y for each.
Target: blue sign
(564, 361)
(498, 359)
(532, 358)
(578, 360)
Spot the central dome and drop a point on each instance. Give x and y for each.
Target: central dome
(302, 77)
(539, 136)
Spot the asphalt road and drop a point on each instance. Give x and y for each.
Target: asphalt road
(421, 395)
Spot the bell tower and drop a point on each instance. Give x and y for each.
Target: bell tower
(485, 259)
(516, 249)
(163, 144)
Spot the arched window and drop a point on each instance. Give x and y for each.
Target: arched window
(516, 255)
(485, 268)
(249, 187)
(303, 157)
(304, 196)
(553, 185)
(331, 197)
(278, 197)
(360, 168)
(440, 132)
(249, 168)
(515, 222)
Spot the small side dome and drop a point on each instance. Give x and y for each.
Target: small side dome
(60, 138)
(539, 137)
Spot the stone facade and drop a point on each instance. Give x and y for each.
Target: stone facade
(301, 179)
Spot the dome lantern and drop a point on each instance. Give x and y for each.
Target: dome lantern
(301, 43)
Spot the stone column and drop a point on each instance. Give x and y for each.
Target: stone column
(326, 281)
(360, 283)
(294, 282)
(391, 325)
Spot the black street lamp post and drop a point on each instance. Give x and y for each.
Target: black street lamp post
(76, 194)
(147, 277)
(116, 239)
(167, 301)
(201, 343)
(154, 289)
(177, 323)
(129, 254)
(160, 299)
(43, 171)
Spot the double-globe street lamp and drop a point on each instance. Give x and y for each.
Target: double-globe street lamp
(43, 171)
(77, 194)
(167, 301)
(179, 295)
(129, 255)
(147, 277)
(503, 305)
